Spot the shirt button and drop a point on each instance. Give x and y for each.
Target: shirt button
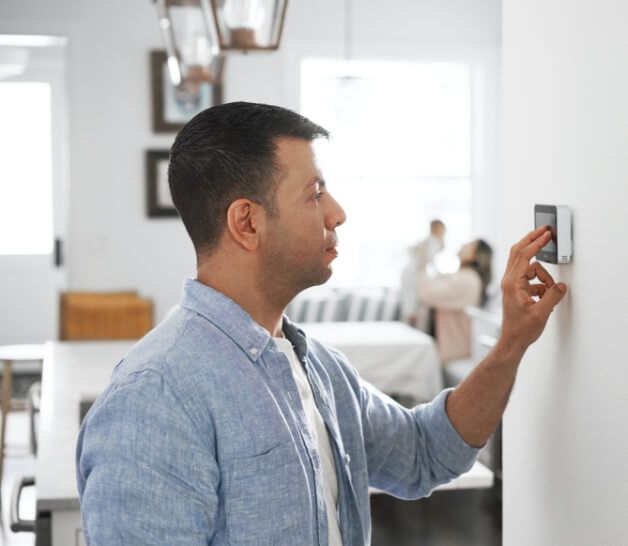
(253, 351)
(347, 459)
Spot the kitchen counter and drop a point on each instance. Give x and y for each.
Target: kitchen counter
(72, 371)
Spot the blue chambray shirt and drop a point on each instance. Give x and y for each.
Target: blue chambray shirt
(201, 438)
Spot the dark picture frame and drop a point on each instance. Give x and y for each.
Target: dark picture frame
(158, 201)
(174, 107)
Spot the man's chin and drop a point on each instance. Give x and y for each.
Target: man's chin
(320, 278)
(327, 275)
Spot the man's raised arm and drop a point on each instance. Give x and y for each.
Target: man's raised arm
(477, 404)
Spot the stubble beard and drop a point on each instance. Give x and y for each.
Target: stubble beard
(283, 275)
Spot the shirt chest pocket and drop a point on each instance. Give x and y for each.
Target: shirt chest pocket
(267, 500)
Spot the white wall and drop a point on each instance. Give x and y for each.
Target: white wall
(112, 243)
(565, 85)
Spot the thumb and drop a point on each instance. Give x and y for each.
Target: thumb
(552, 297)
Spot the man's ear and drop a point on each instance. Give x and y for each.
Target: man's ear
(243, 223)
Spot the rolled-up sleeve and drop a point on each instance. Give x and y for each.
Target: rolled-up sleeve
(146, 473)
(411, 451)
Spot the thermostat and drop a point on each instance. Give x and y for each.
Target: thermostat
(559, 248)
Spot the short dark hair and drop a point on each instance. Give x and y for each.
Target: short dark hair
(225, 153)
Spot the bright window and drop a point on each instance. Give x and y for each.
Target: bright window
(400, 156)
(25, 168)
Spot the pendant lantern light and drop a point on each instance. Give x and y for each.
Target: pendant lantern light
(191, 41)
(249, 25)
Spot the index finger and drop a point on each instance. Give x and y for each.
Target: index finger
(533, 248)
(530, 244)
(531, 237)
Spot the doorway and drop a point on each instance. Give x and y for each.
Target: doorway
(33, 186)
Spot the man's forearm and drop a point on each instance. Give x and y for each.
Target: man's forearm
(476, 406)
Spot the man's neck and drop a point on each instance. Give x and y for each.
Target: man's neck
(245, 291)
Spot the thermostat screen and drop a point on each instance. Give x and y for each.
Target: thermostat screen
(551, 216)
(548, 219)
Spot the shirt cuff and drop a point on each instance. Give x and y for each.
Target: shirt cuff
(449, 447)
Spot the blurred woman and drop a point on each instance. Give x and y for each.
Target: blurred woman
(448, 294)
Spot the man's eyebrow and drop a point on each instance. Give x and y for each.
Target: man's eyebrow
(316, 180)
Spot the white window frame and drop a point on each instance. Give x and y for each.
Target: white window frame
(484, 64)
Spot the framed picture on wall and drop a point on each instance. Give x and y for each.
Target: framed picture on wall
(159, 202)
(174, 106)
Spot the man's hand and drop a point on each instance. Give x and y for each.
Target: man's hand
(526, 305)
(477, 404)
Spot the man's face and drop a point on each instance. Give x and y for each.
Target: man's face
(301, 239)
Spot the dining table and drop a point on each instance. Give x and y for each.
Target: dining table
(390, 355)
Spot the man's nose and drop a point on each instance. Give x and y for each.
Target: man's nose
(335, 215)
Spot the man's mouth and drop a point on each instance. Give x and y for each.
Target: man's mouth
(333, 245)
(332, 248)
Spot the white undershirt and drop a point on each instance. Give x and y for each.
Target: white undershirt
(321, 437)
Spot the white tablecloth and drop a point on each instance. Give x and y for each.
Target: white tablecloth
(392, 356)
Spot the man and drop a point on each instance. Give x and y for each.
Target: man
(226, 424)
(413, 310)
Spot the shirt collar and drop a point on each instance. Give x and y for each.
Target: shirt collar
(227, 316)
(296, 336)
(235, 322)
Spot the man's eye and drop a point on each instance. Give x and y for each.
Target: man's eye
(319, 195)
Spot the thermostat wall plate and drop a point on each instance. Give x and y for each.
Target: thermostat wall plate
(558, 218)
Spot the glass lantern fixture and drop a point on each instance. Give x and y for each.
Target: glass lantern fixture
(249, 25)
(191, 42)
